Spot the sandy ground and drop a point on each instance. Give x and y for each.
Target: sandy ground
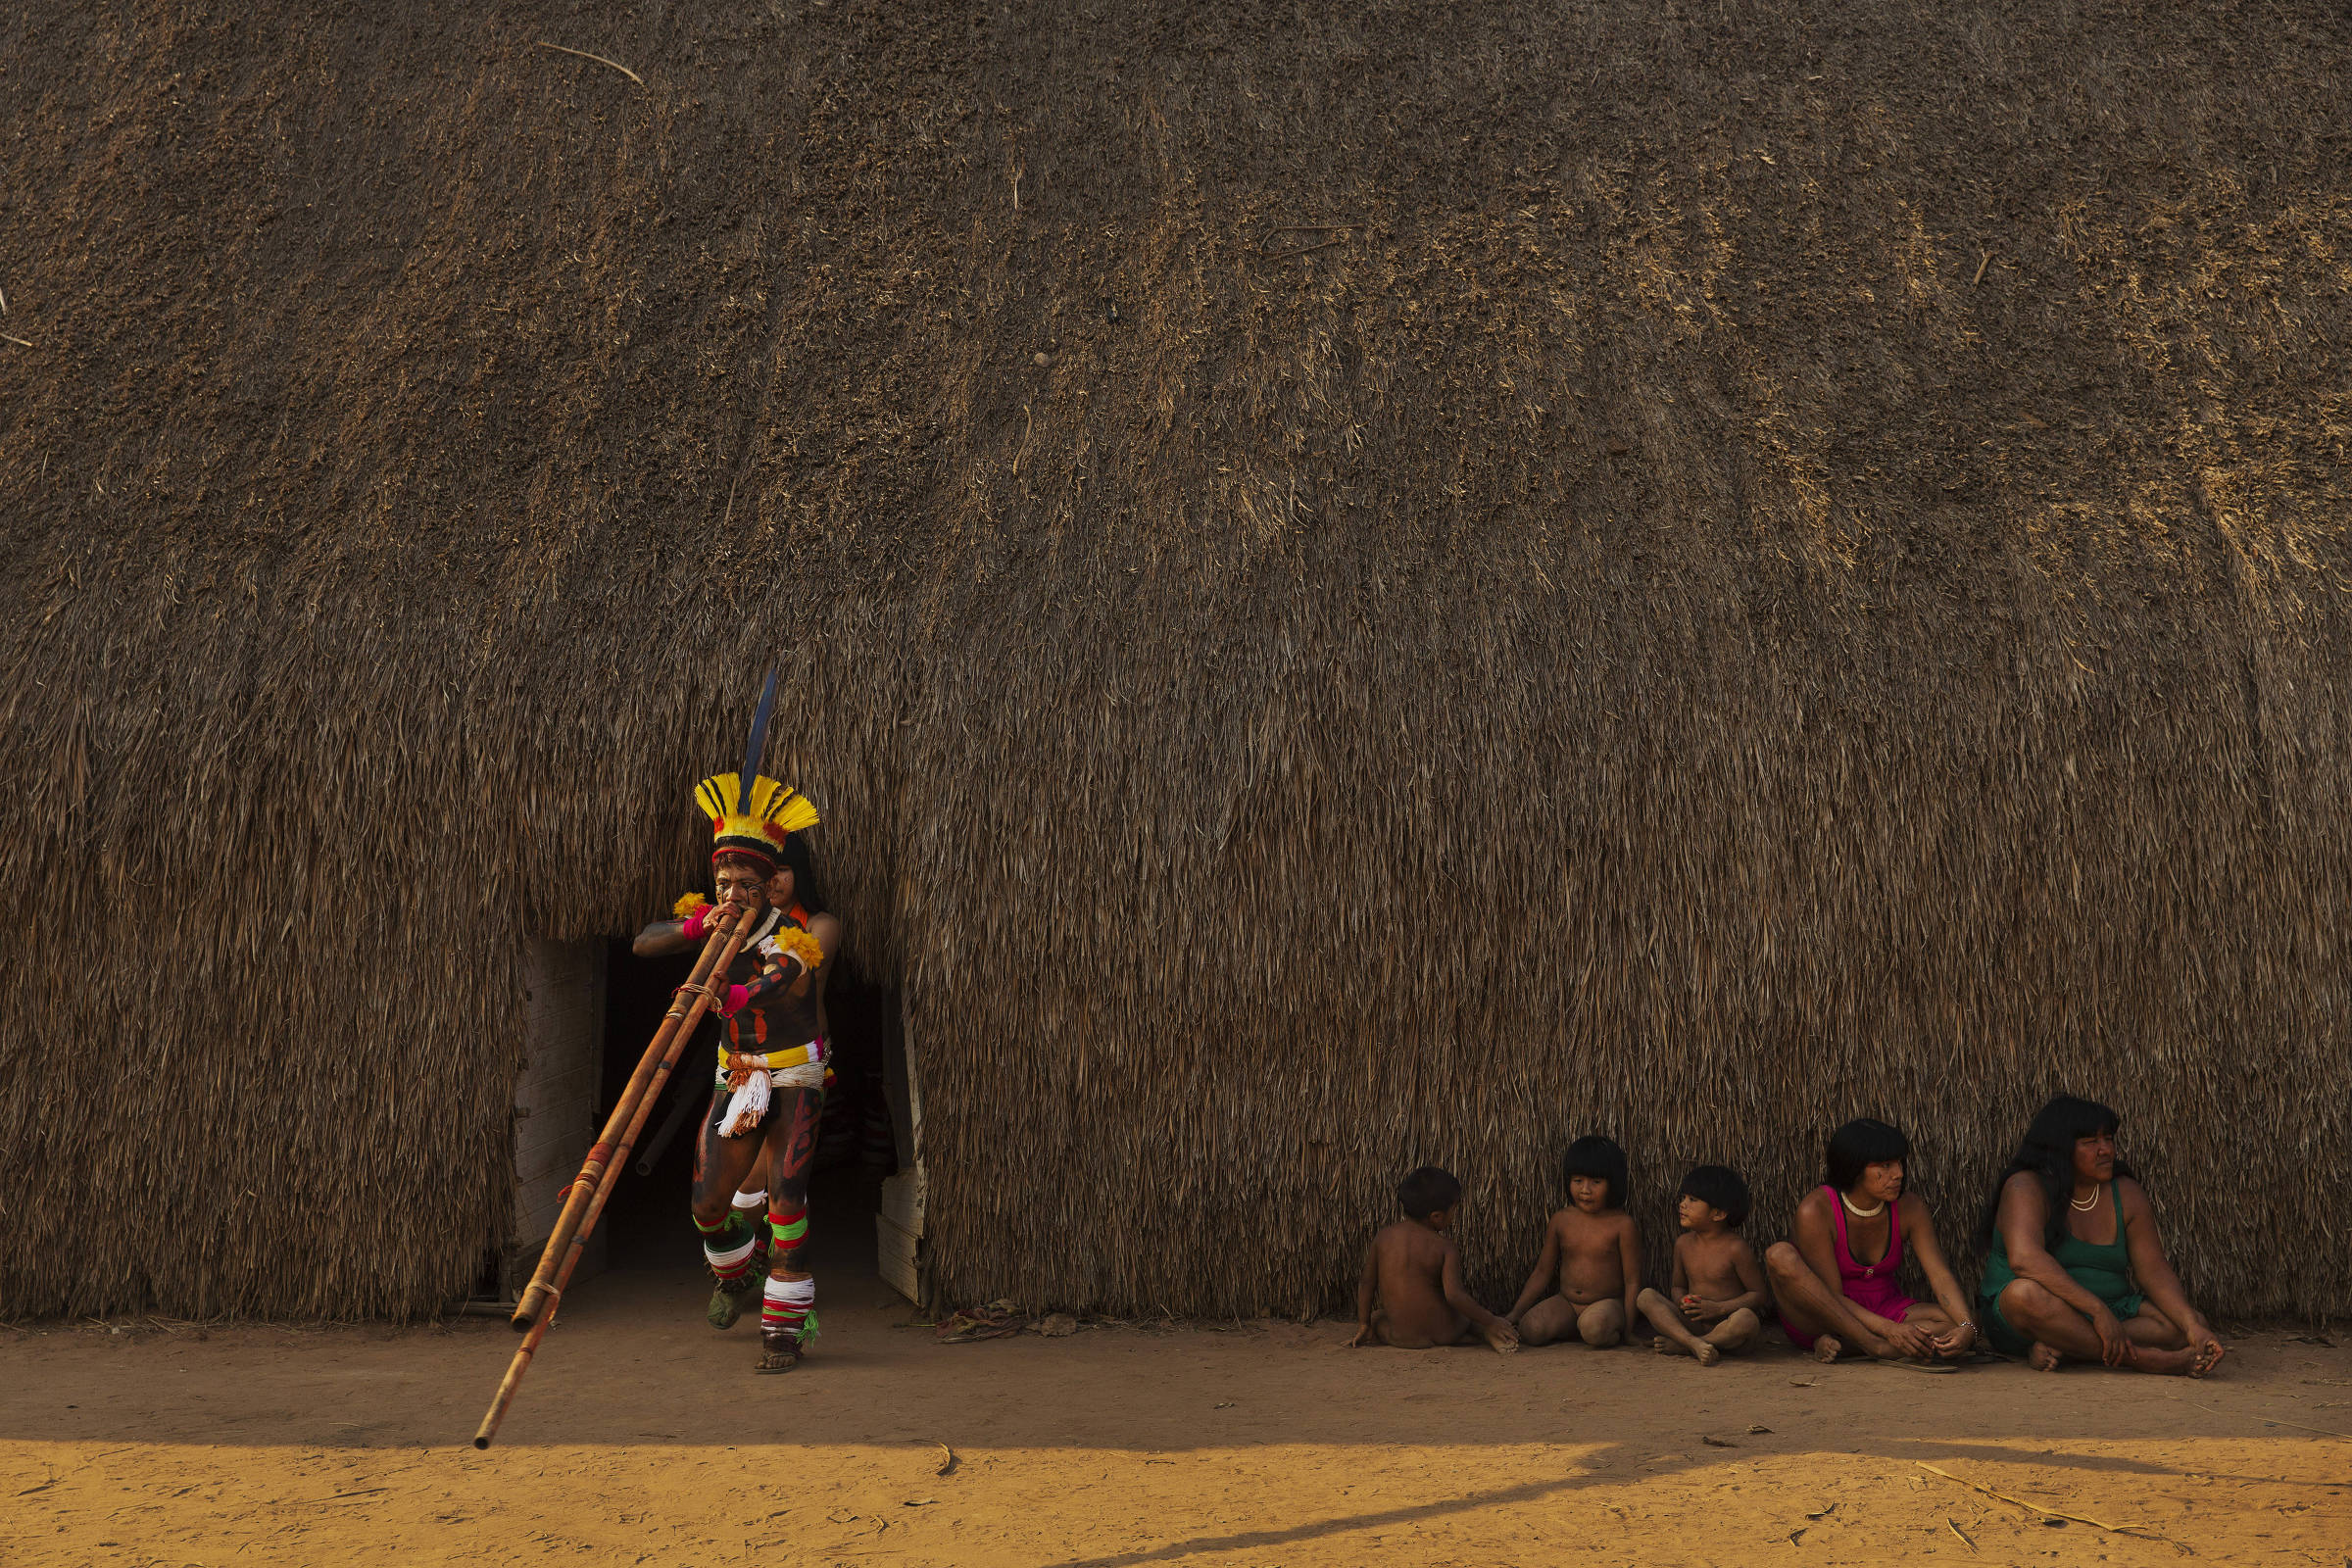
(640, 1437)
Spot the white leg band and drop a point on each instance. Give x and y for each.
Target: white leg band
(734, 1254)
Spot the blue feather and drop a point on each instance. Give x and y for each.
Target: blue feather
(751, 757)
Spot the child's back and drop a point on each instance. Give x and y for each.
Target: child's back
(1408, 1267)
(1412, 1269)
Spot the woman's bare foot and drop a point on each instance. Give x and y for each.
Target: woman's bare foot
(1502, 1340)
(2208, 1357)
(1827, 1348)
(2181, 1363)
(2042, 1359)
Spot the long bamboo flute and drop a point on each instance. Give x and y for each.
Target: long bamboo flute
(678, 1028)
(676, 1024)
(513, 1380)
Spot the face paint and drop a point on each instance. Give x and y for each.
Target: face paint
(1883, 1180)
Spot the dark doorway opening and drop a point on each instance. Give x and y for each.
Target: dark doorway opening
(646, 1221)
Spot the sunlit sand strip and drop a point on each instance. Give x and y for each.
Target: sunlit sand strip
(1082, 1507)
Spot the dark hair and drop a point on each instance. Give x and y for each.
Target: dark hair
(794, 857)
(1860, 1143)
(1719, 1187)
(1426, 1191)
(1600, 1158)
(2048, 1152)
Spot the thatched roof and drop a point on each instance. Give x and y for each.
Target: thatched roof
(1765, 564)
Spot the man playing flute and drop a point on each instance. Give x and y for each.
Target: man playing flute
(772, 1058)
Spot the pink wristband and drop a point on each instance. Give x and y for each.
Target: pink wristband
(737, 996)
(695, 925)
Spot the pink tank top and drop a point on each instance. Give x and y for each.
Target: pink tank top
(1849, 1272)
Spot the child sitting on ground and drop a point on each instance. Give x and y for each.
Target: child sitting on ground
(1718, 1284)
(1413, 1268)
(1592, 1253)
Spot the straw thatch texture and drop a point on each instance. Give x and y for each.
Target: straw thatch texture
(1789, 560)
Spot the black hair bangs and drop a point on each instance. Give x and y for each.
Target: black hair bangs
(1859, 1145)
(1602, 1159)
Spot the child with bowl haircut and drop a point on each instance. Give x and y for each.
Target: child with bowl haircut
(1718, 1284)
(1416, 1272)
(1589, 1273)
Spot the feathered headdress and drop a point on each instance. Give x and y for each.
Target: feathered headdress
(750, 813)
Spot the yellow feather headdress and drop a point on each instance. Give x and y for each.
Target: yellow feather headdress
(750, 813)
(753, 822)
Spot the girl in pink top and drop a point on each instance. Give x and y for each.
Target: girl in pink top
(1835, 1278)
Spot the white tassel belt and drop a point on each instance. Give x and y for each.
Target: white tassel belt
(802, 1067)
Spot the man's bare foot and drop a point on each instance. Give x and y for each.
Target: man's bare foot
(2180, 1363)
(1503, 1340)
(2043, 1358)
(1664, 1345)
(1827, 1348)
(1707, 1354)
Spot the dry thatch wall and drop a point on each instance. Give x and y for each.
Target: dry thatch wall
(1789, 561)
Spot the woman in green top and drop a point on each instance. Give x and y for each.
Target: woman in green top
(2076, 1269)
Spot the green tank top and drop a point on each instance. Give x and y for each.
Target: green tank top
(2105, 1269)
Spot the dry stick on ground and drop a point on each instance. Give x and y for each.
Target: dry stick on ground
(2053, 1514)
(2270, 1420)
(599, 59)
(19, 342)
(1982, 263)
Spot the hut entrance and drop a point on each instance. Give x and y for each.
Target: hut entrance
(864, 1215)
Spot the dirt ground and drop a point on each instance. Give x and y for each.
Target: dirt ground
(640, 1437)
